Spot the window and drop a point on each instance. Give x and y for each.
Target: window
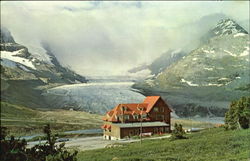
(144, 116)
(136, 117)
(126, 117)
(161, 130)
(136, 131)
(167, 129)
(156, 109)
(156, 130)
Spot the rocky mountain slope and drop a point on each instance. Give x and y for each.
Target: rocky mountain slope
(209, 77)
(191, 36)
(160, 64)
(165, 60)
(24, 74)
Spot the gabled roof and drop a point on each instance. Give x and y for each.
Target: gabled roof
(151, 100)
(126, 109)
(132, 109)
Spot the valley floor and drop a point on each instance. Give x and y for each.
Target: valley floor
(21, 121)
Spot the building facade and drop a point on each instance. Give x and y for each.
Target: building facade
(152, 116)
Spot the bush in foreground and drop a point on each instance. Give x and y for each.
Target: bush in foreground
(178, 132)
(238, 115)
(15, 149)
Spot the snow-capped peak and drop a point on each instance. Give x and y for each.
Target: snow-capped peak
(227, 27)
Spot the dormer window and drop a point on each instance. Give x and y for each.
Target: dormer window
(136, 117)
(126, 117)
(144, 116)
(124, 108)
(141, 108)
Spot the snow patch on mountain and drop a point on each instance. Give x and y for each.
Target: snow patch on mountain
(245, 52)
(214, 84)
(208, 51)
(40, 54)
(234, 55)
(209, 69)
(13, 57)
(188, 82)
(223, 79)
(240, 34)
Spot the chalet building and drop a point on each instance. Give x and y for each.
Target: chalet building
(152, 116)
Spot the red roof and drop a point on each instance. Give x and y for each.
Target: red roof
(151, 100)
(103, 126)
(108, 127)
(126, 109)
(131, 109)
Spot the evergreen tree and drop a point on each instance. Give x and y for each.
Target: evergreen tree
(178, 132)
(238, 115)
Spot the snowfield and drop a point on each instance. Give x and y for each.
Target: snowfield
(13, 56)
(39, 53)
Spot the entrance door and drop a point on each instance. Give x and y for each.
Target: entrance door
(109, 137)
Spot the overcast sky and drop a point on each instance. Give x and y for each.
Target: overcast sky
(108, 38)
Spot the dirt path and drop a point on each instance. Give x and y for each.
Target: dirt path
(97, 142)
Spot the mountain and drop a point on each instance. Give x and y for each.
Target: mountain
(206, 80)
(191, 36)
(165, 60)
(158, 65)
(25, 74)
(224, 27)
(138, 68)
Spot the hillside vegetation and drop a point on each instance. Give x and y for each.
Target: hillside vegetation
(21, 120)
(212, 144)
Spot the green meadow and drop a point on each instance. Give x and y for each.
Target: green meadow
(213, 144)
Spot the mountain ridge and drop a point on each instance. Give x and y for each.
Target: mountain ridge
(207, 78)
(22, 71)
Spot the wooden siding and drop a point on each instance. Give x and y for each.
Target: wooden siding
(128, 132)
(163, 113)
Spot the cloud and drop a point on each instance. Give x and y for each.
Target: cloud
(108, 38)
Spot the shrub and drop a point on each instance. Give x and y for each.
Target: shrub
(11, 149)
(238, 115)
(15, 149)
(178, 132)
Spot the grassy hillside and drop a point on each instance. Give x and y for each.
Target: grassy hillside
(214, 144)
(21, 120)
